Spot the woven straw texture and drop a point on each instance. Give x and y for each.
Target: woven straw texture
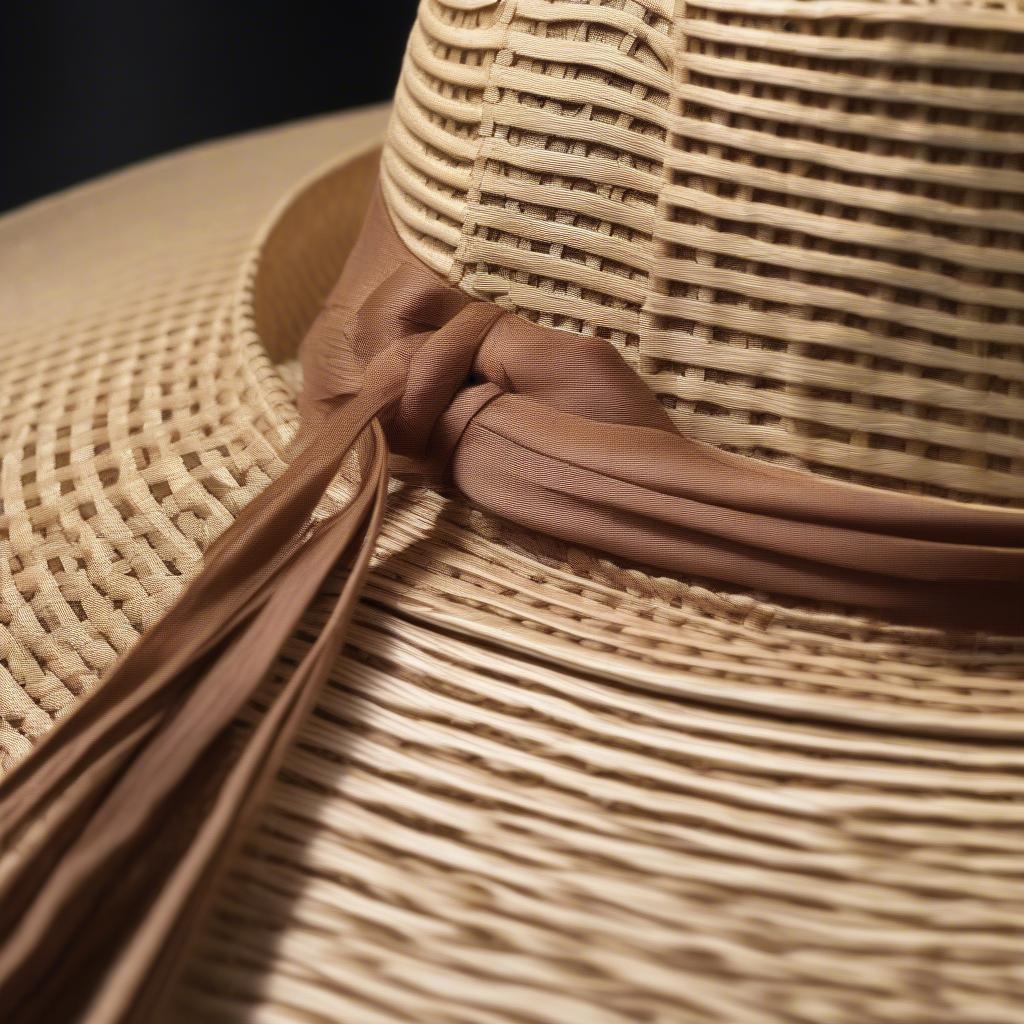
(540, 787)
(802, 220)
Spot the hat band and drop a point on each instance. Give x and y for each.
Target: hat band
(544, 428)
(556, 433)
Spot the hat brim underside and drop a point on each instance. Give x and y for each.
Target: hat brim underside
(539, 782)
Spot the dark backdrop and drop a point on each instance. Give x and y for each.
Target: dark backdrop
(89, 86)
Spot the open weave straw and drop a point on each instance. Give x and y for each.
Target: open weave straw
(542, 787)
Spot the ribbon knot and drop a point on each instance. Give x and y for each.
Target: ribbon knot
(430, 339)
(436, 357)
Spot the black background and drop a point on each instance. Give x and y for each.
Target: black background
(89, 86)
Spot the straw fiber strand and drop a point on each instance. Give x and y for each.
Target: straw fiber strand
(849, 302)
(427, 168)
(542, 786)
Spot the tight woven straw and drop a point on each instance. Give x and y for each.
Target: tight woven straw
(802, 219)
(541, 787)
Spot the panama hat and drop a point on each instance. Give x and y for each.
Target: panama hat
(683, 655)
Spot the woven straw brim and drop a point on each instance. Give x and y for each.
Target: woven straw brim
(541, 786)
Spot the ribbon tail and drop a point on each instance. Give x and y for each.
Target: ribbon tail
(160, 943)
(103, 875)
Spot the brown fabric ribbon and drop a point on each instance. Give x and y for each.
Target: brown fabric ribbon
(105, 869)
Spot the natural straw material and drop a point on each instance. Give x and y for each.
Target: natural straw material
(540, 786)
(802, 220)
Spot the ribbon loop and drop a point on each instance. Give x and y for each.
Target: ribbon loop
(441, 367)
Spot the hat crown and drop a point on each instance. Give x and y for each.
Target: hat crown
(803, 224)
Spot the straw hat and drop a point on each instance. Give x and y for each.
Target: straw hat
(542, 783)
